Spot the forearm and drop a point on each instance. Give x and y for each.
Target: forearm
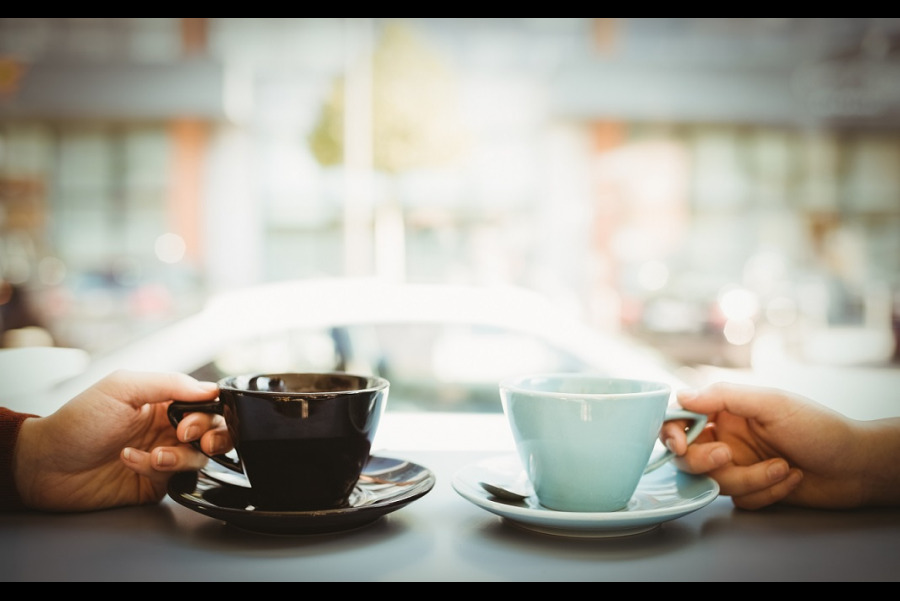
(10, 426)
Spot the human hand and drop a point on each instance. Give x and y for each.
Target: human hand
(765, 446)
(113, 444)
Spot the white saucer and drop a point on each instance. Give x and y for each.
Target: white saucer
(662, 495)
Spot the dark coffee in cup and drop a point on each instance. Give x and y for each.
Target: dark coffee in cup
(301, 439)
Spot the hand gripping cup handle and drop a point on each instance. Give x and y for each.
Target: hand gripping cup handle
(176, 412)
(692, 432)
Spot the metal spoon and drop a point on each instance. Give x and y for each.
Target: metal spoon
(504, 492)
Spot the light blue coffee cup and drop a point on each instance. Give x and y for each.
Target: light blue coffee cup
(586, 440)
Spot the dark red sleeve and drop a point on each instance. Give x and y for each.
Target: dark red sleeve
(10, 421)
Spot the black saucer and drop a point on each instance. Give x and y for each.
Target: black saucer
(386, 485)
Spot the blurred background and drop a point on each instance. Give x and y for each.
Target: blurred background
(726, 190)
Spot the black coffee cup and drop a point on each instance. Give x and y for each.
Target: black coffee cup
(301, 439)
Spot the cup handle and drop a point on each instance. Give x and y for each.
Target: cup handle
(693, 432)
(176, 412)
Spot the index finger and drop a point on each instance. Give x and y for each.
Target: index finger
(757, 402)
(138, 388)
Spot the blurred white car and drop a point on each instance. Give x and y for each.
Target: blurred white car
(443, 347)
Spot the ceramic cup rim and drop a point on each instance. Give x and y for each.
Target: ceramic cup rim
(375, 383)
(521, 385)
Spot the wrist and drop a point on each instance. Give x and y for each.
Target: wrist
(25, 463)
(881, 470)
(11, 425)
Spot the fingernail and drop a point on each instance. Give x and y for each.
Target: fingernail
(777, 471)
(165, 459)
(190, 433)
(687, 393)
(126, 453)
(670, 444)
(213, 445)
(720, 455)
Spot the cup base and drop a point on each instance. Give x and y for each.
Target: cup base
(583, 509)
(300, 506)
(282, 505)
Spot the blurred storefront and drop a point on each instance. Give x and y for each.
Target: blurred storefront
(700, 183)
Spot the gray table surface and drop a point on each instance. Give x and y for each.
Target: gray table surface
(443, 537)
